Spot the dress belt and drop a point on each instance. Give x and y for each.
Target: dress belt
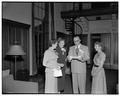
(95, 65)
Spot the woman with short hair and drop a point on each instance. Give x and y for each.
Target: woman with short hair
(50, 62)
(99, 79)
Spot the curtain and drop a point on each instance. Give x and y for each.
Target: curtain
(106, 40)
(14, 31)
(40, 35)
(115, 48)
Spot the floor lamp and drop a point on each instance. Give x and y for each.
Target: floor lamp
(15, 50)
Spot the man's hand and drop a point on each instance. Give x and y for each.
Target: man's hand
(77, 57)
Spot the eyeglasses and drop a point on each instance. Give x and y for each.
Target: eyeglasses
(76, 40)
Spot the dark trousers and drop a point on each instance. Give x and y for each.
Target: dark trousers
(61, 80)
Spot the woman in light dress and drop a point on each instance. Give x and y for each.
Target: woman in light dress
(99, 79)
(50, 62)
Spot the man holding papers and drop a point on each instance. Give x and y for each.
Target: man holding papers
(78, 55)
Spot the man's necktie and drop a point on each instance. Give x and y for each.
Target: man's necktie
(77, 50)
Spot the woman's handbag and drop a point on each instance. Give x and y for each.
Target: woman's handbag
(57, 72)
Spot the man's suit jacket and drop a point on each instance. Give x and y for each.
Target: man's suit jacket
(77, 66)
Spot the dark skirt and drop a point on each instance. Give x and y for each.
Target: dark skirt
(61, 80)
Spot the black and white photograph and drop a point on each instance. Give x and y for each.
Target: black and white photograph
(60, 47)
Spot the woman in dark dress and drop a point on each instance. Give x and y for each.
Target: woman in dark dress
(62, 60)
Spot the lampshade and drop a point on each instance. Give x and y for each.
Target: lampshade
(15, 50)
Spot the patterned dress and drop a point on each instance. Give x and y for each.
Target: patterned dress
(61, 60)
(99, 80)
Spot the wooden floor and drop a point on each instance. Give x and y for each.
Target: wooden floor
(111, 78)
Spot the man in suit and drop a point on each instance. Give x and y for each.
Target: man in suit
(78, 55)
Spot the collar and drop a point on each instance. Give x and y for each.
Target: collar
(50, 48)
(63, 49)
(78, 46)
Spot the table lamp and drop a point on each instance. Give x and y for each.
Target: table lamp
(15, 50)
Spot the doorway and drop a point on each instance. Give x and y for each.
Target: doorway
(40, 35)
(94, 38)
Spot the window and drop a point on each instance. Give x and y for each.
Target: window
(100, 4)
(40, 33)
